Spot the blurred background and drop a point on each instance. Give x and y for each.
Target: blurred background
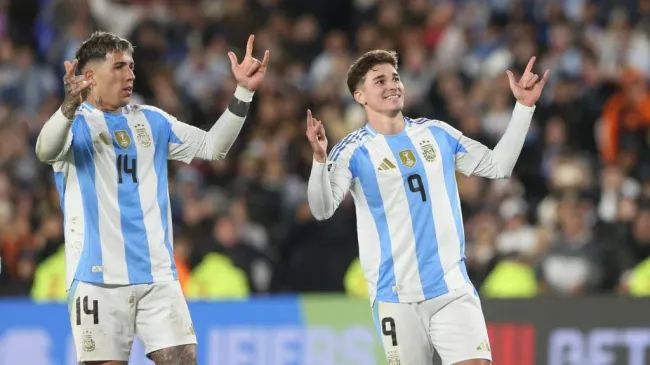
(572, 222)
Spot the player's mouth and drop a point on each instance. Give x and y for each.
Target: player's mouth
(128, 90)
(392, 97)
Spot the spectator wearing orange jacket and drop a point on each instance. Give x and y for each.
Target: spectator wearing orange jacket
(624, 113)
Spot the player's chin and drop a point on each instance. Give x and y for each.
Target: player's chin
(125, 100)
(393, 106)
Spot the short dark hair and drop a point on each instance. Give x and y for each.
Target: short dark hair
(98, 45)
(357, 72)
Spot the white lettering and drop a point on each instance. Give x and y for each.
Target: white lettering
(565, 347)
(291, 345)
(601, 343)
(638, 341)
(320, 346)
(600, 346)
(25, 347)
(241, 347)
(287, 343)
(358, 345)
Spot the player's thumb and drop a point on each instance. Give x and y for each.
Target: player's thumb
(233, 61)
(511, 79)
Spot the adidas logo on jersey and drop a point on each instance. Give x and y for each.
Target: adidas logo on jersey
(386, 165)
(484, 346)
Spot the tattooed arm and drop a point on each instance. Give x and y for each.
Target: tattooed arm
(177, 355)
(55, 138)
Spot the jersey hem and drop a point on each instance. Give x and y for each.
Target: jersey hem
(417, 298)
(122, 283)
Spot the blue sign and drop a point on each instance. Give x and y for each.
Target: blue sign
(258, 332)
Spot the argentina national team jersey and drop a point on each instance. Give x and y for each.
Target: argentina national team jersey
(409, 220)
(112, 181)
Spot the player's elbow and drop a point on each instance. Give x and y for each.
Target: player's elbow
(504, 174)
(42, 155)
(319, 212)
(218, 155)
(320, 215)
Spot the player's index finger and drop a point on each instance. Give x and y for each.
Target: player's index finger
(249, 45)
(70, 67)
(529, 67)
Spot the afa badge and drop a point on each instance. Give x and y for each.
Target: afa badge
(428, 151)
(87, 342)
(142, 136)
(407, 157)
(123, 139)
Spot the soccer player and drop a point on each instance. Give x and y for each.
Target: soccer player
(401, 174)
(110, 162)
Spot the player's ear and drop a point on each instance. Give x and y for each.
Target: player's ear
(359, 97)
(90, 76)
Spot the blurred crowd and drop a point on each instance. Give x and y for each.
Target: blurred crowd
(574, 219)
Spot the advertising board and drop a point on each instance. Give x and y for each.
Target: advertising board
(336, 330)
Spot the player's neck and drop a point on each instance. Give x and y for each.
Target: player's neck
(386, 124)
(100, 104)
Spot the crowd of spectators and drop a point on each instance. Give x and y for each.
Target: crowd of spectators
(575, 216)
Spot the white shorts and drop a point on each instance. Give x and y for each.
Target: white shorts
(105, 319)
(452, 324)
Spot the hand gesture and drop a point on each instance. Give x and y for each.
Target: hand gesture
(317, 138)
(250, 72)
(74, 87)
(529, 88)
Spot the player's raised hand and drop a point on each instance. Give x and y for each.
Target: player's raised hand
(529, 87)
(317, 138)
(74, 86)
(250, 72)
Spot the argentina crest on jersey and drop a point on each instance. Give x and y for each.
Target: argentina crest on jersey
(123, 139)
(144, 140)
(428, 151)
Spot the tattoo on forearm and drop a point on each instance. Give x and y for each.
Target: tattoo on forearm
(70, 102)
(238, 107)
(177, 355)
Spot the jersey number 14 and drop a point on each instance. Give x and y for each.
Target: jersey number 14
(126, 166)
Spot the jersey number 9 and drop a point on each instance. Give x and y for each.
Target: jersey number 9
(126, 166)
(416, 186)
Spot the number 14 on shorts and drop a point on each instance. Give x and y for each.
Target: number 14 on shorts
(88, 310)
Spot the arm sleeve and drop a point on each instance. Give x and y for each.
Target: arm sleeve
(187, 142)
(55, 139)
(474, 158)
(328, 184)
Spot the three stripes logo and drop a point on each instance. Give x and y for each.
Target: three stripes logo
(386, 165)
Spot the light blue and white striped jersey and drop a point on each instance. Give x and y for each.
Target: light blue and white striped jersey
(409, 221)
(112, 181)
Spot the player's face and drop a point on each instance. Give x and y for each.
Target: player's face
(113, 79)
(383, 90)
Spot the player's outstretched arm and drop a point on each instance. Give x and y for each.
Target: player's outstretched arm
(55, 137)
(327, 186)
(215, 144)
(500, 162)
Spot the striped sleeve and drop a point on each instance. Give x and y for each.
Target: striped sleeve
(330, 182)
(474, 158)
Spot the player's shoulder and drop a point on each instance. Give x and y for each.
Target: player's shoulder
(349, 143)
(152, 113)
(425, 123)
